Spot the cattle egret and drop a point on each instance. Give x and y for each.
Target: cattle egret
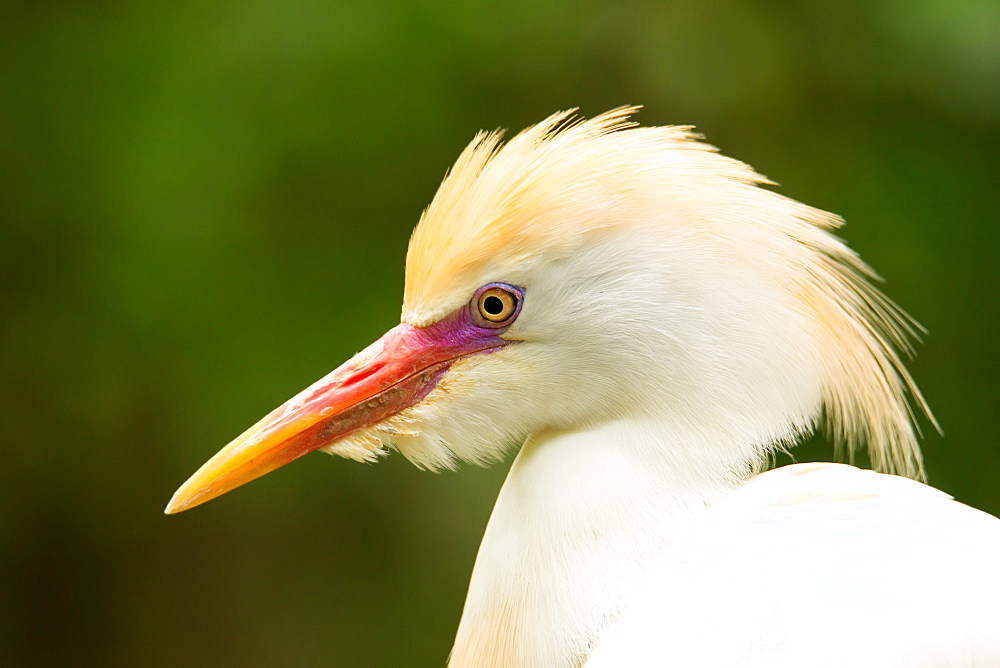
(650, 326)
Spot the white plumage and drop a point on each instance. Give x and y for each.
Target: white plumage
(820, 565)
(675, 325)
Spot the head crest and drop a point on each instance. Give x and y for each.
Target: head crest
(556, 182)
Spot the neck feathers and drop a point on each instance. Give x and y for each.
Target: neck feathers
(580, 519)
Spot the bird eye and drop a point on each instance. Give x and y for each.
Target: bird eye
(496, 305)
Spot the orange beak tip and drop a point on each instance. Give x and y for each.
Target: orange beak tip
(182, 500)
(175, 506)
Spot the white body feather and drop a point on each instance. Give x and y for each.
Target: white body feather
(592, 552)
(820, 565)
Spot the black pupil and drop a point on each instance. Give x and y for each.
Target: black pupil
(493, 305)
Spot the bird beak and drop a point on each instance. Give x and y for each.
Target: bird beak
(392, 374)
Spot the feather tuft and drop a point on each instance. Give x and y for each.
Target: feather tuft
(552, 185)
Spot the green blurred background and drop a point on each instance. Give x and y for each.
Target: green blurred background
(205, 207)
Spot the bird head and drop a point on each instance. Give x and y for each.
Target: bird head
(591, 271)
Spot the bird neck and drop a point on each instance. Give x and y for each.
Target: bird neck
(579, 520)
